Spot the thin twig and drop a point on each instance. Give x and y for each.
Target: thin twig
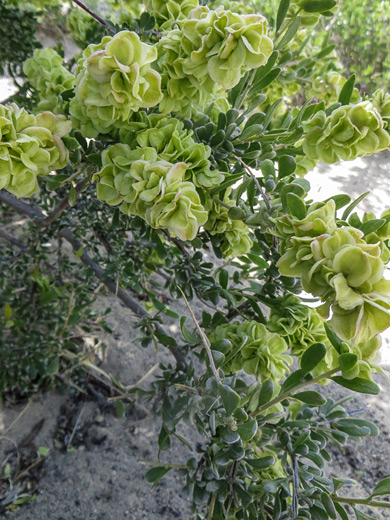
(177, 243)
(60, 207)
(13, 240)
(96, 16)
(75, 427)
(135, 385)
(19, 416)
(204, 338)
(258, 186)
(289, 393)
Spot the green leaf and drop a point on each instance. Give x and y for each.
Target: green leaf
(358, 385)
(296, 206)
(190, 338)
(282, 11)
(79, 252)
(345, 424)
(260, 262)
(119, 408)
(341, 511)
(266, 392)
(287, 166)
(347, 361)
(382, 488)
(42, 450)
(362, 516)
(271, 112)
(347, 90)
(310, 397)
(230, 398)
(236, 213)
(339, 482)
(319, 6)
(156, 474)
(165, 340)
(267, 80)
(324, 52)
(333, 338)
(53, 367)
(372, 225)
(293, 380)
(312, 356)
(223, 277)
(290, 33)
(264, 70)
(247, 430)
(340, 200)
(327, 502)
(268, 168)
(262, 463)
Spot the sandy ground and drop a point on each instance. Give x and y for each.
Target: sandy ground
(102, 475)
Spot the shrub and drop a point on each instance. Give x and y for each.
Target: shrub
(175, 166)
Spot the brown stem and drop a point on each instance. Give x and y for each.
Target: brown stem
(96, 16)
(13, 240)
(61, 206)
(204, 338)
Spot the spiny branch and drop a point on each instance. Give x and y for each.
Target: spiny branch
(112, 286)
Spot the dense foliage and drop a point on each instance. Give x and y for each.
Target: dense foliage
(171, 158)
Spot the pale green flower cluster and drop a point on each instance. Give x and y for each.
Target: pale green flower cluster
(114, 79)
(327, 86)
(338, 265)
(172, 143)
(151, 188)
(381, 101)
(168, 12)
(233, 234)
(301, 326)
(252, 348)
(30, 146)
(47, 74)
(80, 24)
(210, 52)
(349, 132)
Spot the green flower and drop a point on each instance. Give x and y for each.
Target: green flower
(381, 235)
(233, 234)
(304, 165)
(381, 101)
(224, 45)
(210, 50)
(320, 218)
(168, 12)
(252, 348)
(46, 73)
(30, 146)
(153, 189)
(114, 79)
(345, 271)
(82, 26)
(173, 144)
(327, 87)
(348, 132)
